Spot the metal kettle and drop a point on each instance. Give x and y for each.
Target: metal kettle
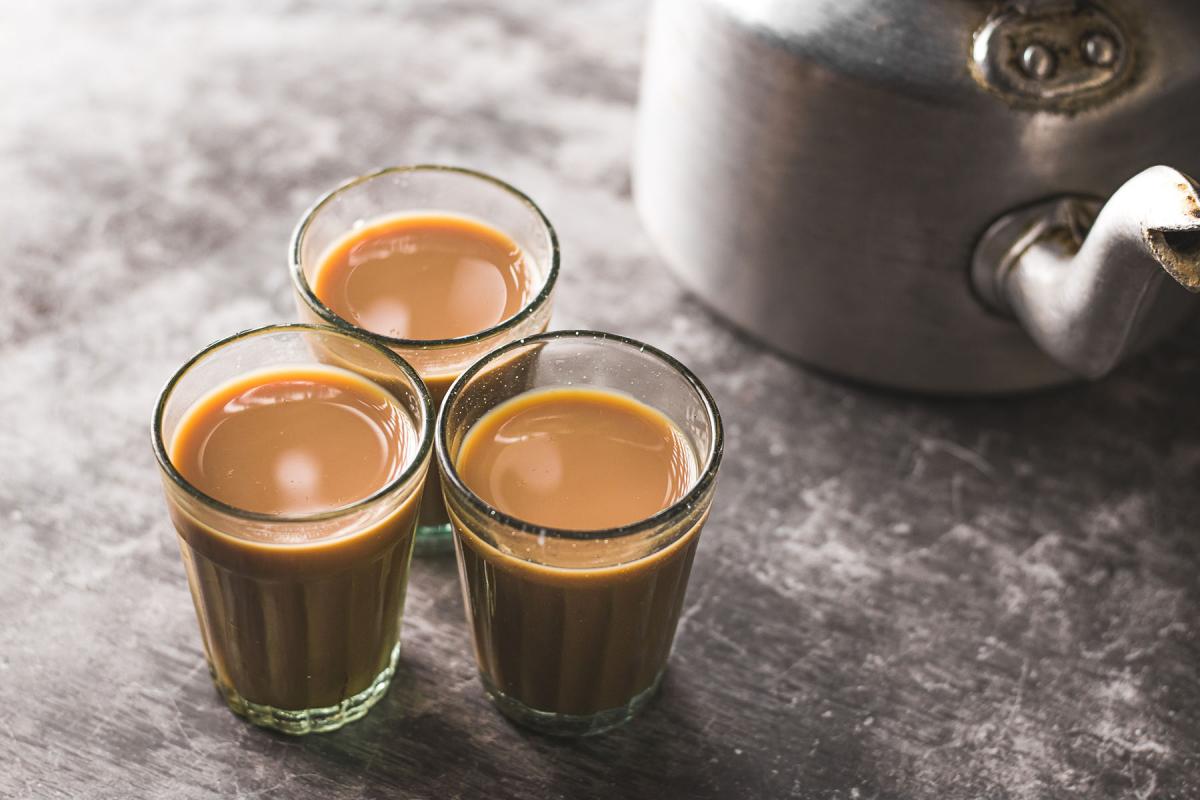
(908, 192)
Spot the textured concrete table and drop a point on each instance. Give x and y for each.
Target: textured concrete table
(895, 597)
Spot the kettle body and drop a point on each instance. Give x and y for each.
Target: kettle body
(822, 173)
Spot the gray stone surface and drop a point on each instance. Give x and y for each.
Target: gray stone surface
(895, 597)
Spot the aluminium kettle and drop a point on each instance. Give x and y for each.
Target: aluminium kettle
(907, 192)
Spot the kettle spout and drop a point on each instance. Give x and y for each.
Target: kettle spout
(1088, 297)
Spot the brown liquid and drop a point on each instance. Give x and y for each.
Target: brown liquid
(306, 616)
(579, 459)
(293, 442)
(583, 639)
(424, 277)
(431, 276)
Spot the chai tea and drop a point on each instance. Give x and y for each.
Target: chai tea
(585, 639)
(299, 607)
(424, 276)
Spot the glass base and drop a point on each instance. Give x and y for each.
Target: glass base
(434, 540)
(313, 720)
(553, 724)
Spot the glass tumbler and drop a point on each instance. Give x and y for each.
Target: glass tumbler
(299, 614)
(420, 190)
(572, 628)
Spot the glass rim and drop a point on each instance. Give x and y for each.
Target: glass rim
(708, 473)
(332, 318)
(168, 467)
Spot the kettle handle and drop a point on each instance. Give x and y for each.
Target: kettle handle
(1088, 296)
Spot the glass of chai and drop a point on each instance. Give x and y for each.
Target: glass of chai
(440, 264)
(578, 468)
(294, 457)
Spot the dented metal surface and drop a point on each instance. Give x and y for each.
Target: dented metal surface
(821, 173)
(1060, 57)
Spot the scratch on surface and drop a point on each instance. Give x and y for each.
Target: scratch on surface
(1147, 791)
(695, 608)
(187, 677)
(1018, 696)
(725, 640)
(964, 454)
(956, 486)
(187, 737)
(917, 469)
(783, 673)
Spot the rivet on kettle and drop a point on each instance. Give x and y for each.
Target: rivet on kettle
(1038, 62)
(1100, 49)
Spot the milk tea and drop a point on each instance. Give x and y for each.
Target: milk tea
(295, 617)
(575, 640)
